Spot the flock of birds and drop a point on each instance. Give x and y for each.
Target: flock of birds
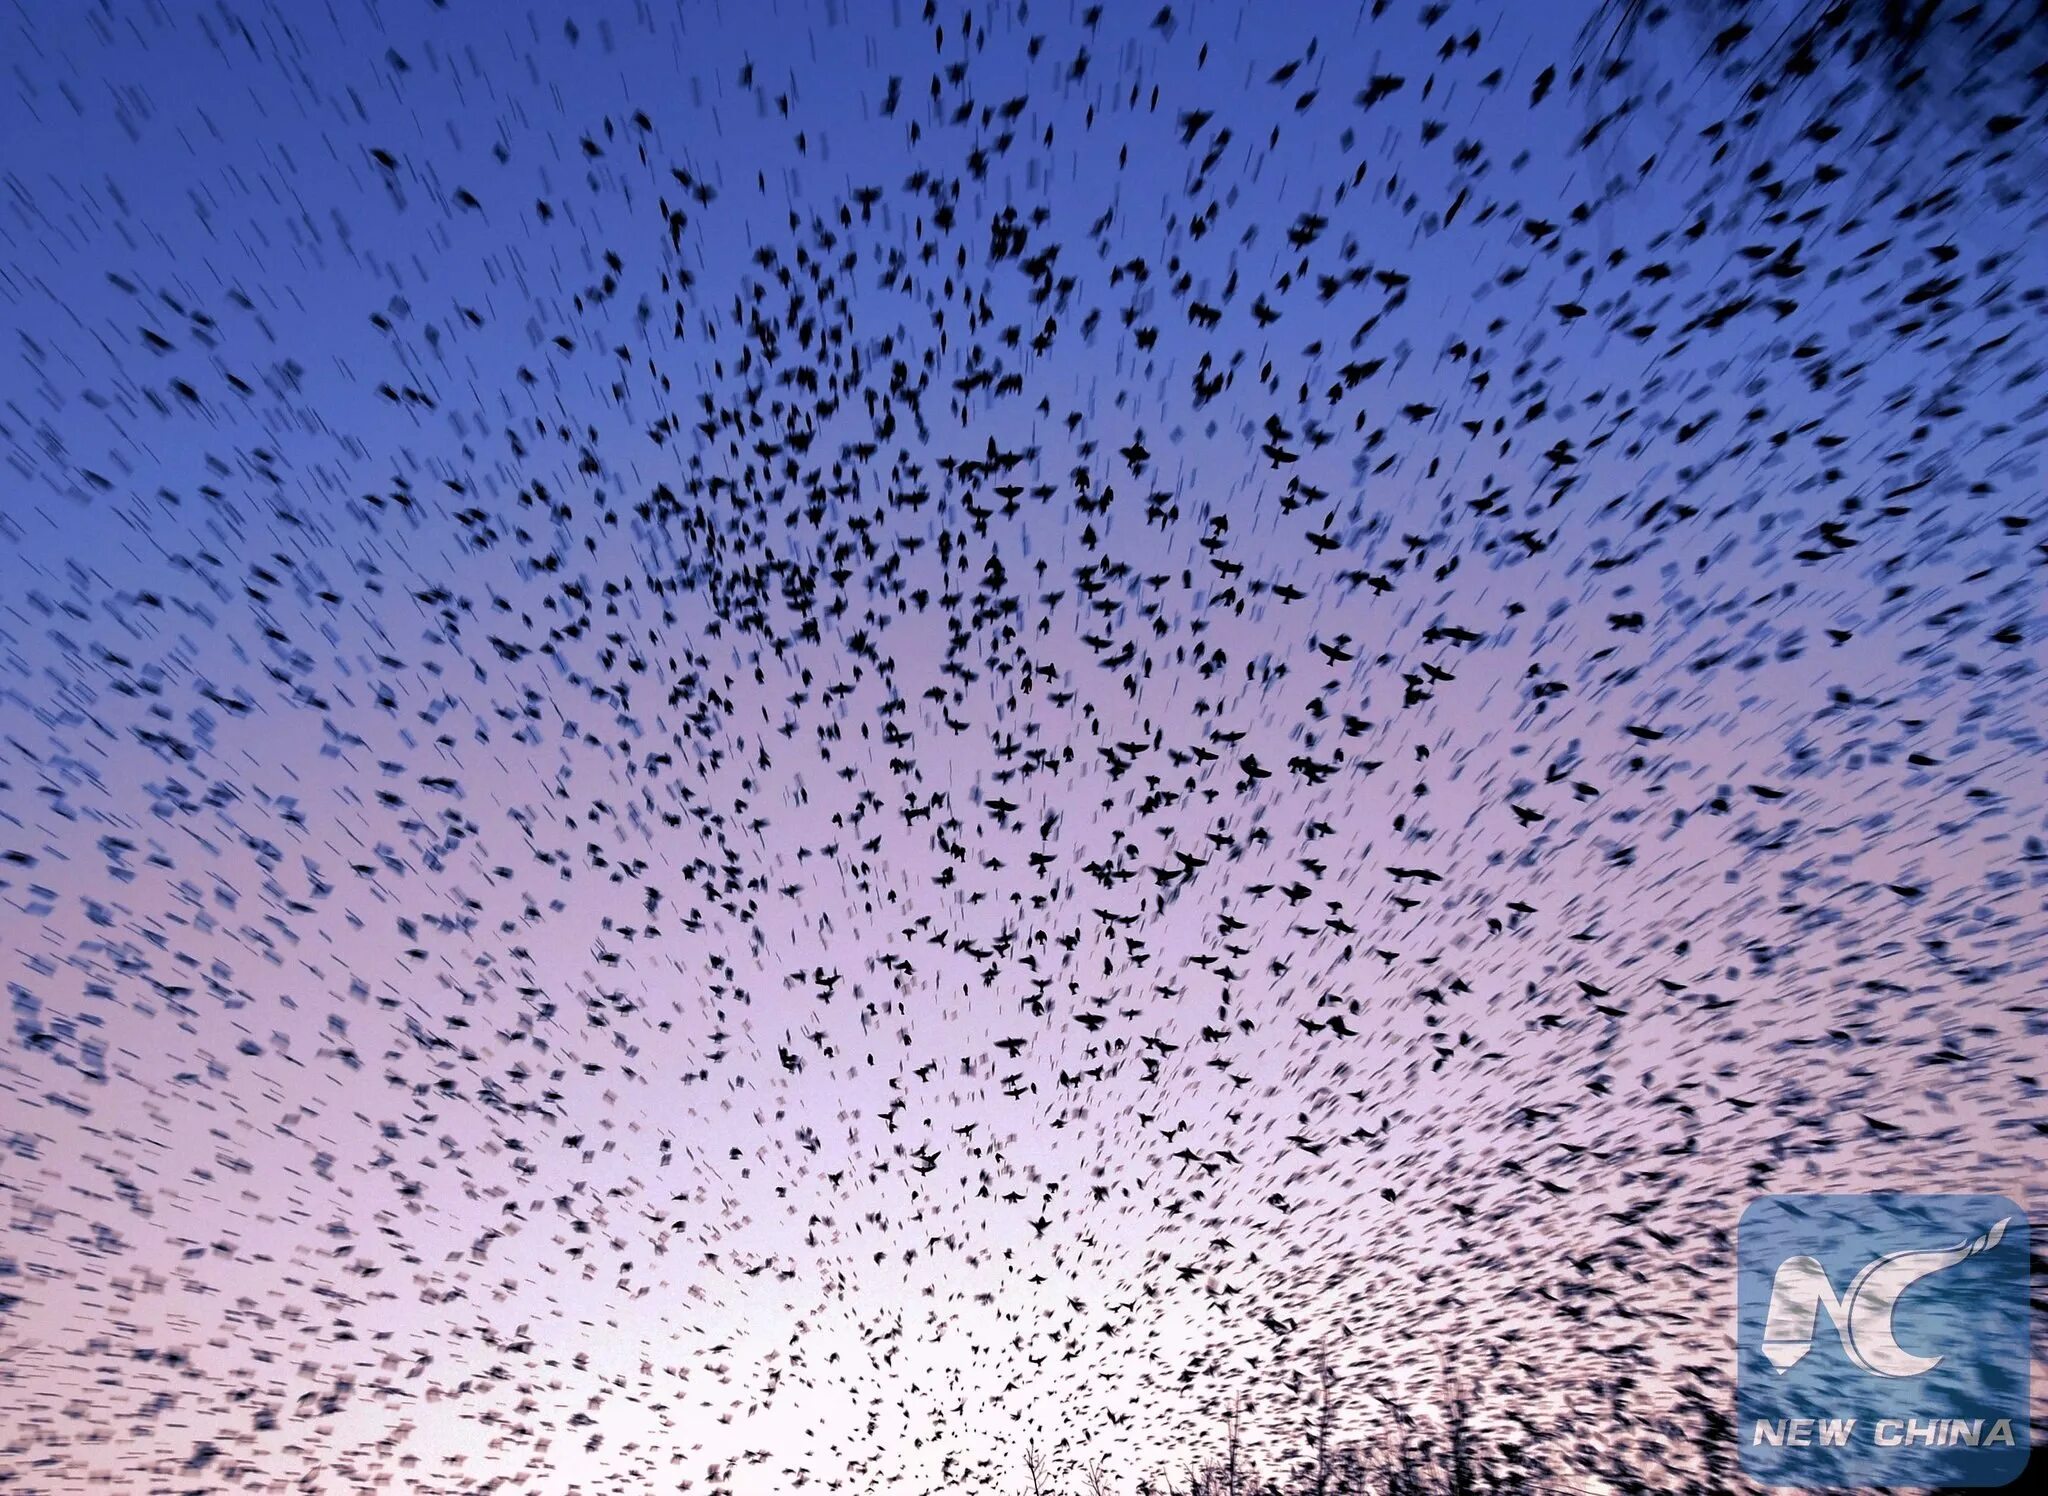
(903, 748)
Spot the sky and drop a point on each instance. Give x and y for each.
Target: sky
(779, 745)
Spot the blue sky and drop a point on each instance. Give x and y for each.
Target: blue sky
(377, 746)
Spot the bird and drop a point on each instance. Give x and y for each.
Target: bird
(925, 750)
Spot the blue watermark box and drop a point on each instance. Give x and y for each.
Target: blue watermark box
(1882, 1340)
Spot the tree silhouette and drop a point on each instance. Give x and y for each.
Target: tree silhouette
(1983, 62)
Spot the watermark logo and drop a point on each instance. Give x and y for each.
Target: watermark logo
(1882, 1340)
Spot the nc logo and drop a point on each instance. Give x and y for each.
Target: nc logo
(1863, 1316)
(1929, 1299)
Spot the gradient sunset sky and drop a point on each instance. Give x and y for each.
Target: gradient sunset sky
(747, 746)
